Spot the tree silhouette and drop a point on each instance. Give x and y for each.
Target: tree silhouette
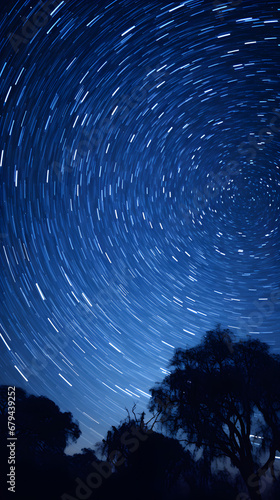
(121, 438)
(42, 433)
(41, 426)
(151, 465)
(147, 464)
(212, 395)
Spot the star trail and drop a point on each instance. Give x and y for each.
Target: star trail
(140, 184)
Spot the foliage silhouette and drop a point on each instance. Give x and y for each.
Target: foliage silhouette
(42, 433)
(157, 466)
(214, 392)
(153, 465)
(39, 423)
(218, 395)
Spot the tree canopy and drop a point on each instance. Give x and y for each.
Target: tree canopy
(41, 425)
(42, 433)
(157, 464)
(220, 394)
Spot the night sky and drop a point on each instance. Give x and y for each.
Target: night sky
(140, 192)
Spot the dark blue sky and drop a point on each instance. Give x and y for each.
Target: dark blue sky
(140, 183)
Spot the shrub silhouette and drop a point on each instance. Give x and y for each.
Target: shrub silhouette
(153, 465)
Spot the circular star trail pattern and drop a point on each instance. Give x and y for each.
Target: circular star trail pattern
(139, 167)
